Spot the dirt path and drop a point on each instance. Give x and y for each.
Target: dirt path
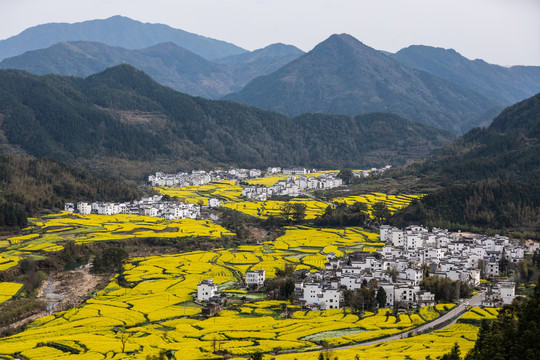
(70, 288)
(63, 291)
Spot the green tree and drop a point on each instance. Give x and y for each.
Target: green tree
(110, 259)
(346, 175)
(358, 207)
(454, 353)
(286, 210)
(299, 211)
(286, 289)
(257, 355)
(380, 212)
(381, 297)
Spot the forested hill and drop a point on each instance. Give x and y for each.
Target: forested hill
(29, 186)
(167, 63)
(120, 121)
(343, 76)
(490, 177)
(509, 149)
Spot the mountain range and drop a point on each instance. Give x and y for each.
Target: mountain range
(120, 121)
(340, 75)
(343, 76)
(115, 31)
(506, 85)
(167, 63)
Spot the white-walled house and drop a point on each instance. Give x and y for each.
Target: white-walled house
(206, 289)
(507, 289)
(311, 293)
(213, 202)
(255, 277)
(330, 299)
(84, 208)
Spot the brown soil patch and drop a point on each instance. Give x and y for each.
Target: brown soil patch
(74, 286)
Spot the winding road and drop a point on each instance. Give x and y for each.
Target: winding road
(454, 314)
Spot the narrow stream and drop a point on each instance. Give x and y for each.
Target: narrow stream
(52, 298)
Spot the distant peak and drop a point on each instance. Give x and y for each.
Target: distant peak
(119, 17)
(428, 49)
(344, 39)
(280, 48)
(343, 42)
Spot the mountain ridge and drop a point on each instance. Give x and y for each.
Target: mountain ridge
(342, 75)
(507, 85)
(167, 63)
(123, 117)
(115, 31)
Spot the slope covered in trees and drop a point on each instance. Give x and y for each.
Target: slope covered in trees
(513, 335)
(490, 177)
(29, 186)
(121, 121)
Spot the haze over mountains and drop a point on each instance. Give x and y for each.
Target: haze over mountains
(343, 76)
(167, 63)
(504, 84)
(339, 76)
(115, 31)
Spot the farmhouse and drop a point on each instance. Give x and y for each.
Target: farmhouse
(255, 277)
(206, 289)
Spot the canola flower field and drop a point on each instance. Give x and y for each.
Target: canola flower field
(158, 313)
(231, 194)
(393, 202)
(224, 190)
(263, 209)
(8, 290)
(50, 232)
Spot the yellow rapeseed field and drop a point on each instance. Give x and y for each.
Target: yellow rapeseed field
(157, 311)
(8, 290)
(50, 232)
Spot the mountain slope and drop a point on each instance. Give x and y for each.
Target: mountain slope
(247, 66)
(115, 31)
(490, 177)
(167, 63)
(28, 186)
(509, 149)
(121, 121)
(342, 75)
(506, 85)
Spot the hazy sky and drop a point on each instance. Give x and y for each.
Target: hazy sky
(505, 32)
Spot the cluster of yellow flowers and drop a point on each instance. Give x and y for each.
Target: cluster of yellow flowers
(8, 290)
(52, 231)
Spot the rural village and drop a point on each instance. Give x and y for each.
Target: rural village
(156, 206)
(397, 269)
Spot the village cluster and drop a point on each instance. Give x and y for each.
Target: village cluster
(292, 186)
(398, 268)
(148, 206)
(201, 177)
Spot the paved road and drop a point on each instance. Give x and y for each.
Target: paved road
(452, 314)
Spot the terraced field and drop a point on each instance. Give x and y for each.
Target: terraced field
(393, 202)
(50, 232)
(158, 310)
